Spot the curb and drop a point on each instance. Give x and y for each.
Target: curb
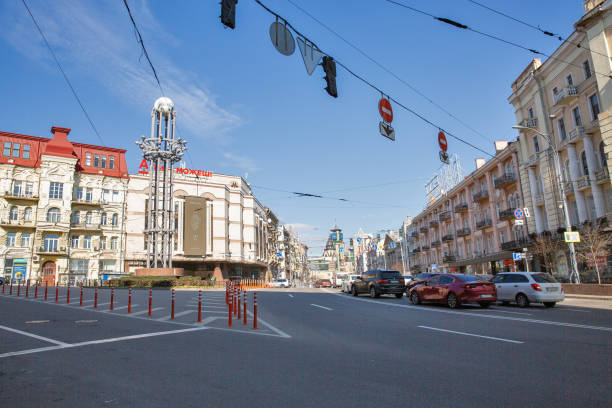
(587, 297)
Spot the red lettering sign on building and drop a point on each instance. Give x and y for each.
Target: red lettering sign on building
(144, 169)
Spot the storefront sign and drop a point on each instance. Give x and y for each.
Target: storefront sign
(20, 266)
(144, 169)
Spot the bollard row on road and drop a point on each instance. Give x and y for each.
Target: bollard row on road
(232, 299)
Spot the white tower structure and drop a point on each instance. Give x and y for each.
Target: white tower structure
(161, 150)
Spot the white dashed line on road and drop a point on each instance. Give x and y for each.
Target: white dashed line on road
(471, 334)
(322, 307)
(290, 295)
(37, 321)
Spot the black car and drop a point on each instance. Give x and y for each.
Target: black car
(379, 282)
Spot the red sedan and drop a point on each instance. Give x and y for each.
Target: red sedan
(323, 283)
(454, 289)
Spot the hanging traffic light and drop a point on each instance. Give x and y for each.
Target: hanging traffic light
(228, 13)
(329, 66)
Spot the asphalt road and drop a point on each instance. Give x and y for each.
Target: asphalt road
(311, 349)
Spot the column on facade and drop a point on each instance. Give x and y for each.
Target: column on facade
(534, 192)
(494, 219)
(600, 206)
(574, 174)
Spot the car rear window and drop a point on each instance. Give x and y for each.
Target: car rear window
(468, 278)
(390, 275)
(543, 278)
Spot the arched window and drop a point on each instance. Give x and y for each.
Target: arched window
(602, 155)
(27, 214)
(88, 217)
(115, 220)
(585, 167)
(103, 218)
(53, 215)
(13, 213)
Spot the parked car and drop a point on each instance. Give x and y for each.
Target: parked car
(347, 285)
(282, 283)
(323, 283)
(420, 278)
(526, 287)
(485, 277)
(379, 282)
(454, 289)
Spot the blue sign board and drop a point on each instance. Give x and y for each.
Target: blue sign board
(341, 236)
(279, 254)
(373, 246)
(518, 213)
(392, 245)
(358, 239)
(104, 277)
(334, 236)
(341, 249)
(19, 272)
(516, 256)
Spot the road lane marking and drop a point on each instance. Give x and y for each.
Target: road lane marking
(481, 315)
(118, 308)
(59, 343)
(322, 307)
(37, 321)
(575, 310)
(503, 311)
(290, 295)
(84, 307)
(85, 321)
(176, 315)
(471, 334)
(146, 311)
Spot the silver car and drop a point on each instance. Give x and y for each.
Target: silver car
(528, 287)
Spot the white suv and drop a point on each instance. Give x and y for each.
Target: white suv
(282, 283)
(526, 287)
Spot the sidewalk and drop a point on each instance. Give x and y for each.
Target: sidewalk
(594, 302)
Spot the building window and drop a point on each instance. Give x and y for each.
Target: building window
(106, 195)
(502, 237)
(78, 195)
(96, 160)
(74, 241)
(17, 188)
(562, 132)
(115, 196)
(530, 113)
(25, 152)
(536, 145)
(25, 239)
(111, 162)
(102, 242)
(88, 159)
(56, 190)
(594, 103)
(113, 243)
(13, 213)
(87, 242)
(569, 80)
(79, 266)
(53, 215)
(16, 147)
(586, 69)
(602, 155)
(114, 220)
(27, 214)
(89, 195)
(103, 218)
(10, 239)
(88, 218)
(76, 217)
(103, 161)
(585, 167)
(576, 116)
(50, 242)
(7, 149)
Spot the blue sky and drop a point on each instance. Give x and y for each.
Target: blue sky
(245, 108)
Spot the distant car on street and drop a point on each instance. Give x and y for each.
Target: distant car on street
(454, 289)
(379, 282)
(526, 287)
(347, 285)
(323, 283)
(282, 283)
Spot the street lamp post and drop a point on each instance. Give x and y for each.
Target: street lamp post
(568, 224)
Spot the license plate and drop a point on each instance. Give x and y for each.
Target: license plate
(486, 296)
(552, 289)
(393, 281)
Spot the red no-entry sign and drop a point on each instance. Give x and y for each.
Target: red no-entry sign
(442, 141)
(384, 107)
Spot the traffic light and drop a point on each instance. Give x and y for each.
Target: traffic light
(329, 66)
(228, 13)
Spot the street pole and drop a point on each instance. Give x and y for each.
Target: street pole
(568, 223)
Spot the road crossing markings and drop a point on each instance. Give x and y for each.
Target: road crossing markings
(34, 336)
(176, 315)
(146, 311)
(322, 307)
(471, 335)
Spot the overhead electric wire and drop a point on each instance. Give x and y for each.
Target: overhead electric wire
(59, 66)
(491, 36)
(379, 90)
(387, 70)
(144, 49)
(545, 32)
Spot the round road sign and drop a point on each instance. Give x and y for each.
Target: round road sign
(384, 107)
(442, 141)
(518, 213)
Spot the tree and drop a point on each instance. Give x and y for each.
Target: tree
(593, 246)
(545, 247)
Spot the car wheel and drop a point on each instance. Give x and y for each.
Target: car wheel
(414, 298)
(522, 300)
(372, 292)
(399, 295)
(484, 305)
(550, 304)
(354, 291)
(452, 301)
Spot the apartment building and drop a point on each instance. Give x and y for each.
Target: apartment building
(61, 208)
(471, 228)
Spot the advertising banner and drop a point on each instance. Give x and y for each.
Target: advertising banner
(20, 267)
(194, 237)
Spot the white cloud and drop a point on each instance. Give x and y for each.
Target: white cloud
(96, 40)
(240, 162)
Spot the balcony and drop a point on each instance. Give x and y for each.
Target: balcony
(565, 95)
(433, 223)
(533, 159)
(423, 229)
(463, 232)
(576, 133)
(449, 258)
(514, 245)
(447, 237)
(416, 250)
(506, 214)
(17, 223)
(444, 216)
(583, 182)
(504, 180)
(531, 123)
(82, 226)
(81, 201)
(461, 208)
(539, 199)
(484, 223)
(602, 175)
(11, 195)
(414, 234)
(435, 244)
(480, 196)
(568, 188)
(51, 251)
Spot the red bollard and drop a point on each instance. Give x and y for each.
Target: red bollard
(200, 306)
(19, 288)
(28, 288)
(11, 288)
(254, 310)
(81, 297)
(236, 296)
(172, 311)
(229, 312)
(68, 294)
(245, 308)
(46, 287)
(112, 298)
(239, 314)
(56, 293)
(36, 291)
(96, 297)
(150, 300)
(130, 301)
(226, 293)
